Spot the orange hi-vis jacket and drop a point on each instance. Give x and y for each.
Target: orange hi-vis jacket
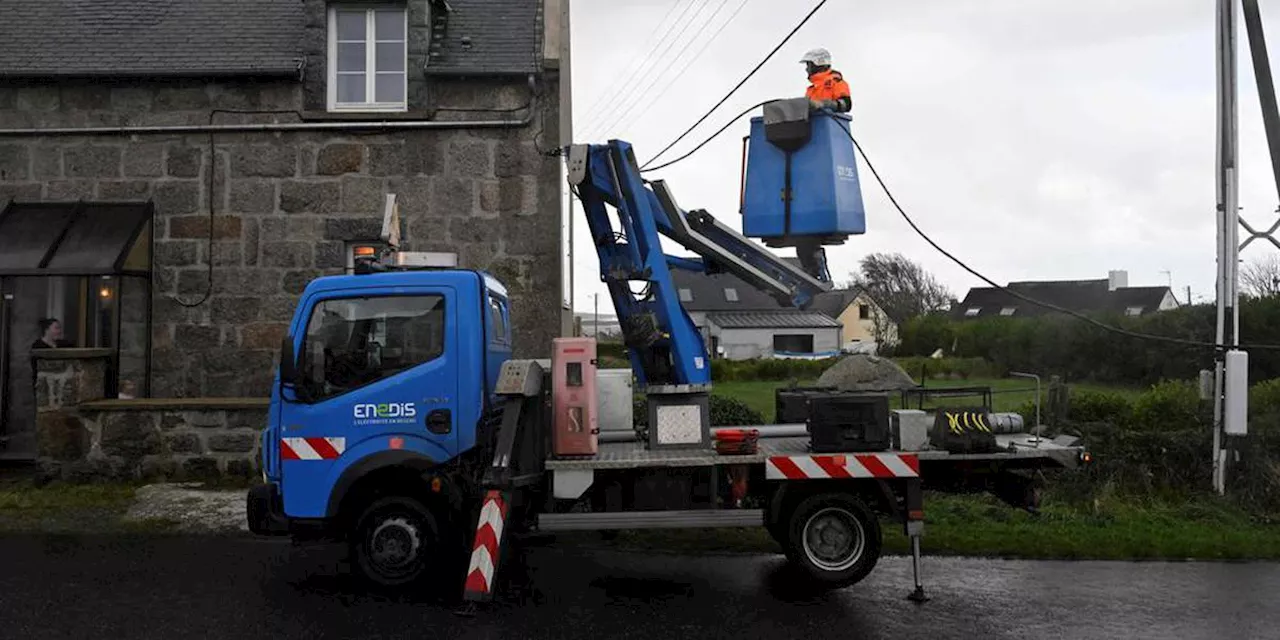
(830, 85)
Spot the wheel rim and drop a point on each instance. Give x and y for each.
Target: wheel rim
(394, 546)
(834, 539)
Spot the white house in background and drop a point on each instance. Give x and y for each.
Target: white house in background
(740, 322)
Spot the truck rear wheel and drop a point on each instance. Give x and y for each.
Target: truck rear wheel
(834, 538)
(394, 542)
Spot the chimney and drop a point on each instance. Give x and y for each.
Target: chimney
(1117, 280)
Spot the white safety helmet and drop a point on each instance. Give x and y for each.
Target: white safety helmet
(819, 57)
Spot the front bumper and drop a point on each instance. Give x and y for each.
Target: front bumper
(266, 511)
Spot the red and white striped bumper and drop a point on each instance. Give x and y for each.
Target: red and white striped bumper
(484, 552)
(860, 465)
(312, 448)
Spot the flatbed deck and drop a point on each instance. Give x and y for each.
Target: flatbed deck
(634, 455)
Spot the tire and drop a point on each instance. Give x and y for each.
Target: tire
(395, 542)
(834, 539)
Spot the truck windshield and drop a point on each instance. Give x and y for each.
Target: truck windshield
(353, 342)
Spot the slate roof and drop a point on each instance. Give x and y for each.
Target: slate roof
(782, 319)
(488, 36)
(708, 293)
(1082, 296)
(48, 38)
(149, 37)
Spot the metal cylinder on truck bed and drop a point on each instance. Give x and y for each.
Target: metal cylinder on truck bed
(766, 431)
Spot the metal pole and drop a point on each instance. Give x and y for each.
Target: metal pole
(595, 329)
(1227, 319)
(1039, 429)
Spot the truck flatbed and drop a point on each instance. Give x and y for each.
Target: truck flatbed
(634, 455)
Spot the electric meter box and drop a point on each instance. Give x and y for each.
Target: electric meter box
(575, 406)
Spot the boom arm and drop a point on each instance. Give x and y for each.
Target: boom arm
(664, 344)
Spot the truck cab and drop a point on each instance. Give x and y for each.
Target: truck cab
(386, 378)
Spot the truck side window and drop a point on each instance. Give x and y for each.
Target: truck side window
(352, 342)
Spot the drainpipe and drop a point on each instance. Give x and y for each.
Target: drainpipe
(379, 125)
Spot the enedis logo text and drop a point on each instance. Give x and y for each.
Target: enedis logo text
(385, 411)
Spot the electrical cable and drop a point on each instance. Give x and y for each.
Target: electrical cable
(709, 139)
(209, 183)
(1029, 299)
(705, 43)
(621, 80)
(740, 83)
(635, 96)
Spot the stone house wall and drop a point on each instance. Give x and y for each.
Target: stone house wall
(285, 203)
(82, 437)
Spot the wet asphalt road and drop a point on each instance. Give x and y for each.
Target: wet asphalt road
(245, 588)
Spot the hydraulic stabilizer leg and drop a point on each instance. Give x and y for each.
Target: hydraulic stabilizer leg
(915, 530)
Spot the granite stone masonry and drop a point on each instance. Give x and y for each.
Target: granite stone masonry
(286, 206)
(82, 437)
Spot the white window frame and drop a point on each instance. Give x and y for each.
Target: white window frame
(972, 311)
(730, 294)
(1008, 311)
(1133, 311)
(371, 57)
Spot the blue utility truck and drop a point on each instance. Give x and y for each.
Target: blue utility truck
(400, 423)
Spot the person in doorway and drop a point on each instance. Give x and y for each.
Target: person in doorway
(827, 88)
(50, 334)
(50, 338)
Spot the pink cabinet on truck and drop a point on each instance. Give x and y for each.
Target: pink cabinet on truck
(575, 425)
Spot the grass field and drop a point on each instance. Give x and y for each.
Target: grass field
(1008, 394)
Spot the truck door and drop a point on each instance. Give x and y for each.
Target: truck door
(376, 371)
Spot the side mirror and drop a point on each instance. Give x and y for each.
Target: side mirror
(288, 363)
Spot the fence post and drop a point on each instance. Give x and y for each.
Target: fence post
(1058, 402)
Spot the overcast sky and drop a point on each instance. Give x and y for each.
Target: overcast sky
(1055, 139)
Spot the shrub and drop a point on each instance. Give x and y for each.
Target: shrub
(1099, 406)
(775, 369)
(922, 368)
(1264, 397)
(1168, 406)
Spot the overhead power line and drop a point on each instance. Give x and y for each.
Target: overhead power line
(635, 63)
(606, 98)
(740, 82)
(706, 42)
(632, 92)
(638, 95)
(1029, 299)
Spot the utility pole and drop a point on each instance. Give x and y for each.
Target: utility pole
(1227, 320)
(595, 329)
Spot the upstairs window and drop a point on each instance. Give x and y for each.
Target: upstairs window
(1008, 311)
(864, 312)
(972, 311)
(686, 295)
(731, 294)
(368, 58)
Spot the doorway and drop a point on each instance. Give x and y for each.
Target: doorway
(86, 266)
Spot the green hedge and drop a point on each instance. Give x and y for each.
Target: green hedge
(1079, 350)
(1159, 443)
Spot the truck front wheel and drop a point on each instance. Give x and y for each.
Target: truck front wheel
(834, 538)
(393, 541)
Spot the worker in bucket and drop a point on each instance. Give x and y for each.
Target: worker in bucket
(827, 88)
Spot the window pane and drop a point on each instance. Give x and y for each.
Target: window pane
(390, 56)
(357, 341)
(389, 25)
(351, 25)
(390, 87)
(351, 87)
(351, 56)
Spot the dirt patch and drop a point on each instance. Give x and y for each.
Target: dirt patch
(866, 373)
(191, 507)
